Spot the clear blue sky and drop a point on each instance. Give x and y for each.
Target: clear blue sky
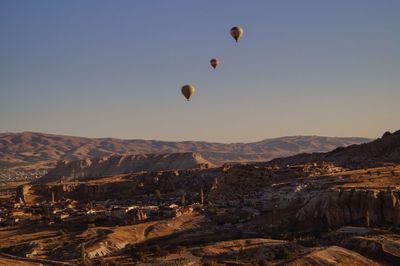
(115, 68)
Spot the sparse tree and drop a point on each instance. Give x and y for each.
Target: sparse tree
(283, 253)
(155, 249)
(113, 263)
(101, 262)
(138, 256)
(181, 249)
(183, 199)
(211, 263)
(201, 196)
(83, 253)
(157, 194)
(62, 233)
(90, 226)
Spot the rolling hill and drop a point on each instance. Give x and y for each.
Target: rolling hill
(30, 150)
(382, 150)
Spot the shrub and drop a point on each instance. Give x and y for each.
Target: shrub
(62, 233)
(138, 256)
(180, 249)
(155, 249)
(263, 263)
(163, 253)
(197, 208)
(282, 254)
(309, 241)
(198, 252)
(112, 263)
(100, 262)
(211, 263)
(91, 226)
(212, 210)
(276, 235)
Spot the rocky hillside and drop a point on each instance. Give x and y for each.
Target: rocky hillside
(382, 150)
(338, 207)
(38, 150)
(121, 164)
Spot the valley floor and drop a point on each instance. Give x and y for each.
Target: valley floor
(315, 215)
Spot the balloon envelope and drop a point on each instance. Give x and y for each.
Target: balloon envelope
(188, 91)
(237, 33)
(214, 63)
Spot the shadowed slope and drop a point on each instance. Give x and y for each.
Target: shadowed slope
(382, 150)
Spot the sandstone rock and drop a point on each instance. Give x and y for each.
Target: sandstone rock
(332, 256)
(352, 207)
(385, 247)
(114, 165)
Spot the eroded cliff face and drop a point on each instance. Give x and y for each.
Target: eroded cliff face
(352, 207)
(190, 181)
(291, 199)
(385, 247)
(114, 165)
(285, 197)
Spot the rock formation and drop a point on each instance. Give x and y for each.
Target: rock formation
(115, 165)
(352, 207)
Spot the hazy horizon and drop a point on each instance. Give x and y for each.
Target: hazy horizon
(115, 69)
(170, 140)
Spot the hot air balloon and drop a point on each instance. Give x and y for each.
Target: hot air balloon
(214, 63)
(188, 91)
(237, 33)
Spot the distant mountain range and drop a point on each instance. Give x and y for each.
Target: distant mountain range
(29, 150)
(382, 150)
